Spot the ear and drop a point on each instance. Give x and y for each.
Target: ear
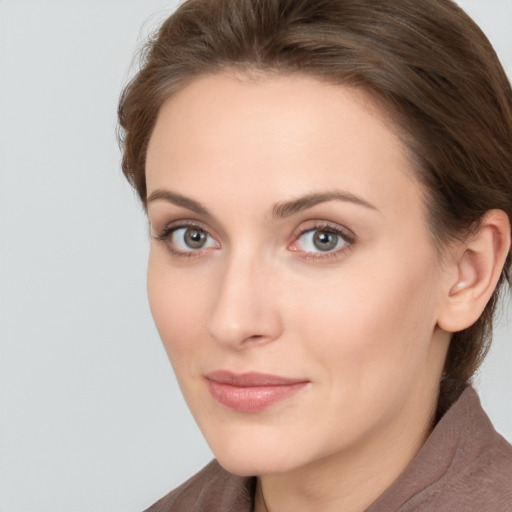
(478, 262)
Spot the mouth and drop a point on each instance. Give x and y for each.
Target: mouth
(251, 392)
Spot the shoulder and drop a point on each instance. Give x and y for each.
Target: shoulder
(465, 465)
(479, 476)
(483, 483)
(213, 489)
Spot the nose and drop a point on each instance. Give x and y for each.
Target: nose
(245, 309)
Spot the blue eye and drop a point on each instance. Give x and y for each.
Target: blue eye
(320, 240)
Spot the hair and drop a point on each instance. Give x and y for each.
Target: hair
(427, 62)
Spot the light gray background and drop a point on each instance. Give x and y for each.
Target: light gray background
(92, 419)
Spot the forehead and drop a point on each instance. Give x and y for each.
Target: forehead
(295, 133)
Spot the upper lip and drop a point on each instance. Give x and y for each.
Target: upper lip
(251, 379)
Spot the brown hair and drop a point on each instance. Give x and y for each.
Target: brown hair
(427, 62)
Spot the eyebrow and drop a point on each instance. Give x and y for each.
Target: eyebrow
(178, 200)
(279, 210)
(294, 206)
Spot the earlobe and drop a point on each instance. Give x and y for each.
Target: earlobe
(479, 262)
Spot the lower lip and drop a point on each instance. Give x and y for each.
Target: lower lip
(252, 398)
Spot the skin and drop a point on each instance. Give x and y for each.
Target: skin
(359, 322)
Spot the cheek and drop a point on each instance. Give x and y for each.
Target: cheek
(178, 304)
(368, 321)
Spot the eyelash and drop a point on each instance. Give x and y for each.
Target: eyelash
(347, 236)
(170, 229)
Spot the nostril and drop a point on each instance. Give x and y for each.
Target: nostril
(257, 340)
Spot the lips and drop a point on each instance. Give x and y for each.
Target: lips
(251, 392)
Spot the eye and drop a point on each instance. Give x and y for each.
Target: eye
(191, 239)
(328, 240)
(318, 240)
(186, 240)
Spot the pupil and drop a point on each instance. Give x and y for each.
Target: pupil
(325, 241)
(194, 238)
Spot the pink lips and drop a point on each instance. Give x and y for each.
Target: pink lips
(251, 392)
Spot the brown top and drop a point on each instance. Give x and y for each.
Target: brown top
(464, 466)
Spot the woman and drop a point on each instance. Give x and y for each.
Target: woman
(329, 189)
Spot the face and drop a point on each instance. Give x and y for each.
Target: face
(292, 275)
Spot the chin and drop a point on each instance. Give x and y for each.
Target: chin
(248, 457)
(250, 467)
